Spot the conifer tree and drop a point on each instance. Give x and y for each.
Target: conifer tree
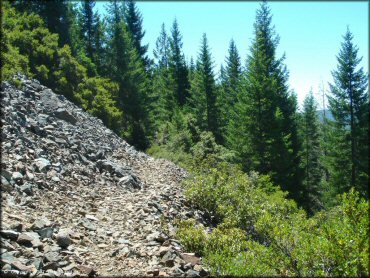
(349, 104)
(88, 26)
(134, 21)
(127, 69)
(177, 65)
(311, 154)
(264, 131)
(203, 95)
(230, 77)
(164, 99)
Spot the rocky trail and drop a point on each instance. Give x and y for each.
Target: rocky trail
(76, 200)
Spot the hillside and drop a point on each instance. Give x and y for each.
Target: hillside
(78, 200)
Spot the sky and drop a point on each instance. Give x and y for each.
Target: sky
(310, 33)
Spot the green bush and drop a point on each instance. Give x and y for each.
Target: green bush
(262, 233)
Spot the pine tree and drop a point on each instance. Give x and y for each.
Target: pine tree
(177, 65)
(230, 77)
(134, 21)
(264, 131)
(88, 26)
(349, 104)
(163, 97)
(311, 154)
(127, 69)
(203, 96)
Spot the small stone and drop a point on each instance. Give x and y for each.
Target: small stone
(19, 266)
(87, 270)
(40, 223)
(192, 273)
(25, 239)
(190, 258)
(45, 232)
(51, 265)
(10, 234)
(27, 188)
(42, 164)
(88, 225)
(91, 217)
(52, 256)
(63, 240)
(169, 259)
(17, 177)
(5, 185)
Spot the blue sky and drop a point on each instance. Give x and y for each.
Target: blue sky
(310, 32)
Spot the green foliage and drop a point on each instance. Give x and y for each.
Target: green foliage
(264, 129)
(98, 96)
(261, 233)
(203, 97)
(311, 156)
(347, 160)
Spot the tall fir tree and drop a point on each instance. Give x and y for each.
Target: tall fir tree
(88, 27)
(349, 103)
(164, 101)
(230, 78)
(177, 65)
(128, 71)
(203, 94)
(311, 156)
(134, 21)
(264, 131)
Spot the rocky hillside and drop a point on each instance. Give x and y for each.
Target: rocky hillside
(78, 200)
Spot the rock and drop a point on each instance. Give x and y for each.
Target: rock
(42, 164)
(5, 185)
(40, 223)
(111, 167)
(25, 239)
(19, 266)
(7, 258)
(17, 177)
(88, 225)
(169, 259)
(192, 273)
(51, 265)
(10, 234)
(87, 270)
(64, 115)
(27, 189)
(190, 258)
(91, 217)
(63, 240)
(45, 232)
(52, 257)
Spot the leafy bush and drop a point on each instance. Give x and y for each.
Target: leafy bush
(261, 233)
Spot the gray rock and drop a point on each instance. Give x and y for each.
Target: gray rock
(40, 223)
(29, 239)
(17, 177)
(64, 115)
(192, 273)
(52, 257)
(45, 232)
(169, 259)
(88, 225)
(5, 185)
(10, 234)
(27, 188)
(111, 167)
(63, 240)
(7, 258)
(42, 164)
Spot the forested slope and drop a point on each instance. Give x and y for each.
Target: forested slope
(273, 180)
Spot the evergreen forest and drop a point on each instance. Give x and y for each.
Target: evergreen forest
(285, 190)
